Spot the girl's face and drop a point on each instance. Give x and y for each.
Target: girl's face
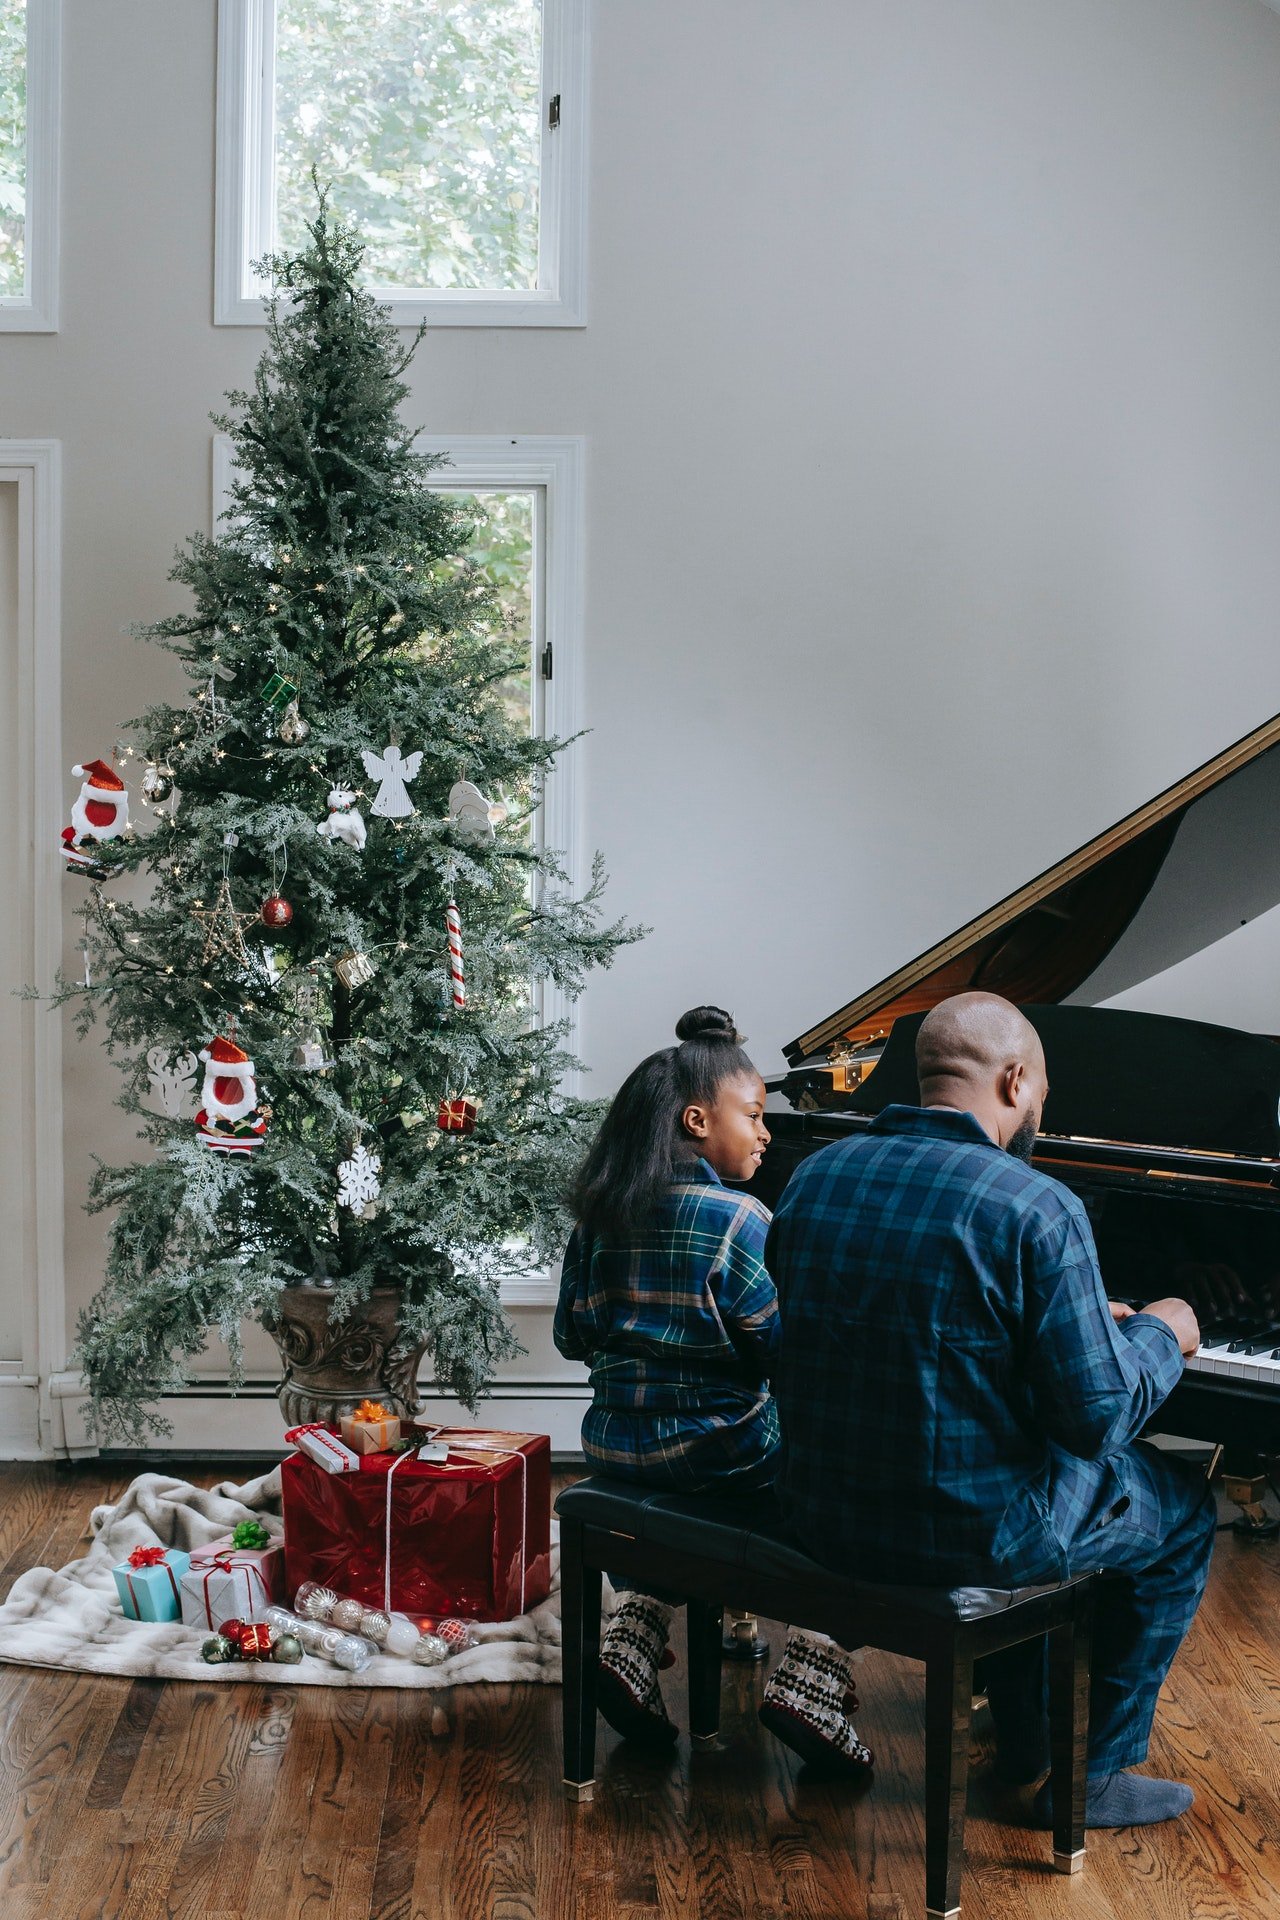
(731, 1133)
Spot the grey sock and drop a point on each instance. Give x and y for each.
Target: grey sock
(1121, 1800)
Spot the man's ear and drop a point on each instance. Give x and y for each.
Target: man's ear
(695, 1122)
(1011, 1082)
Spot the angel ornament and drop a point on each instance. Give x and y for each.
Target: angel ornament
(394, 771)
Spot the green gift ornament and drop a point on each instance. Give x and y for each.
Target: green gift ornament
(279, 691)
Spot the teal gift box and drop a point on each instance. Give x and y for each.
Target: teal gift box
(148, 1583)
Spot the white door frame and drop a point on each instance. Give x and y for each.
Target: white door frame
(30, 1411)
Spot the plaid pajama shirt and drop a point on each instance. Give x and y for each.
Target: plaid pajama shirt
(679, 1325)
(958, 1406)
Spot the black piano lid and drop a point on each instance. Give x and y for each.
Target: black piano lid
(1167, 881)
(1118, 1076)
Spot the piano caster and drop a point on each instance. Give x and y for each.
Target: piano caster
(743, 1639)
(1253, 1522)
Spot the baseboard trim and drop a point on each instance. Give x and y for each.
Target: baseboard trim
(210, 1420)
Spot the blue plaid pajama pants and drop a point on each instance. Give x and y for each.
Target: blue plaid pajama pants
(1148, 1520)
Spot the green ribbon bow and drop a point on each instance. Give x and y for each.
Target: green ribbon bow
(251, 1534)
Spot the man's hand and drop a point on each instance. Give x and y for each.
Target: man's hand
(1178, 1316)
(1119, 1311)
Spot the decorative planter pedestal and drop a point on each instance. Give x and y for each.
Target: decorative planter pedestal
(329, 1370)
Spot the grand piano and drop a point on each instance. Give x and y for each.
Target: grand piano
(1168, 1128)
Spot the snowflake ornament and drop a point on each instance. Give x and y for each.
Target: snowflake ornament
(359, 1182)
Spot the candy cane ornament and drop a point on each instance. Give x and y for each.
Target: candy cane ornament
(457, 979)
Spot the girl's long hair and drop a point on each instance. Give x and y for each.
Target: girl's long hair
(641, 1145)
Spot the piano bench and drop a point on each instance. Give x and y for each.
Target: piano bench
(735, 1548)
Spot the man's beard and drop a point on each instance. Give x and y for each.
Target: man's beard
(1023, 1143)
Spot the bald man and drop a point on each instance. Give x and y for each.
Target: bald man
(959, 1404)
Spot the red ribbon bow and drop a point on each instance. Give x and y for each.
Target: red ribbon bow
(147, 1557)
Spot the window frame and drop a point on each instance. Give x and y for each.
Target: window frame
(551, 467)
(244, 184)
(35, 310)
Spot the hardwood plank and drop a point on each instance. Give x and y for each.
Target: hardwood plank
(201, 1802)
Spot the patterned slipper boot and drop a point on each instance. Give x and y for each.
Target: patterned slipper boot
(633, 1648)
(804, 1706)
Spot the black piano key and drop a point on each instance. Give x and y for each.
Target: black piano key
(1220, 1333)
(1263, 1341)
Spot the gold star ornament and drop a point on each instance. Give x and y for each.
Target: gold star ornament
(224, 928)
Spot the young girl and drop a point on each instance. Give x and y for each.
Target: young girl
(666, 1296)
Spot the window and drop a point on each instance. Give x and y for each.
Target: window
(528, 498)
(452, 132)
(30, 36)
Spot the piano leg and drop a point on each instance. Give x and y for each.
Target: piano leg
(1253, 1521)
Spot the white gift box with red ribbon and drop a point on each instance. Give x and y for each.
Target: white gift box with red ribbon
(225, 1582)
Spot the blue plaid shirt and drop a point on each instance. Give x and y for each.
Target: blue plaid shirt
(948, 1356)
(679, 1325)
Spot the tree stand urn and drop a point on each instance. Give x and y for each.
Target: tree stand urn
(330, 1368)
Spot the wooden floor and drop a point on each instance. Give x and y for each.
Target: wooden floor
(135, 1800)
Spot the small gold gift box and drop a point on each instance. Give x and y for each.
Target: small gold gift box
(370, 1429)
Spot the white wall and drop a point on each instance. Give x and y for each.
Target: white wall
(932, 398)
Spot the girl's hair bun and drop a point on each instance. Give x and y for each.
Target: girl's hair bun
(708, 1024)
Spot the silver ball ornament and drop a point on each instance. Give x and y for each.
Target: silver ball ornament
(430, 1650)
(315, 1601)
(157, 785)
(352, 1653)
(293, 729)
(376, 1625)
(347, 1614)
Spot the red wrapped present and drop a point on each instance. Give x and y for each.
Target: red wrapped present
(469, 1534)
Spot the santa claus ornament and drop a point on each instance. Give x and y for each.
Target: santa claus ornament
(230, 1119)
(100, 813)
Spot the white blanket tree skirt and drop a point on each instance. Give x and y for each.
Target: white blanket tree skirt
(71, 1617)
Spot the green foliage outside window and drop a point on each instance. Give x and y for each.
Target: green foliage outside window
(501, 548)
(13, 146)
(426, 116)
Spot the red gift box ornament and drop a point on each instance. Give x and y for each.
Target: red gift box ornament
(253, 1640)
(458, 1116)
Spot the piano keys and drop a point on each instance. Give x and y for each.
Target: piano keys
(1168, 1128)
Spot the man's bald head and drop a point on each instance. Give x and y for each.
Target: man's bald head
(977, 1052)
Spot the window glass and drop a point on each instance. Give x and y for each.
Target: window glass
(503, 548)
(13, 148)
(426, 117)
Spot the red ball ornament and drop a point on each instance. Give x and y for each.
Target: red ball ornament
(276, 911)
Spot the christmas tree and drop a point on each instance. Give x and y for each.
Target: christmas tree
(338, 921)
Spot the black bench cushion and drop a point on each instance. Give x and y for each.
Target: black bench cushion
(747, 1530)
